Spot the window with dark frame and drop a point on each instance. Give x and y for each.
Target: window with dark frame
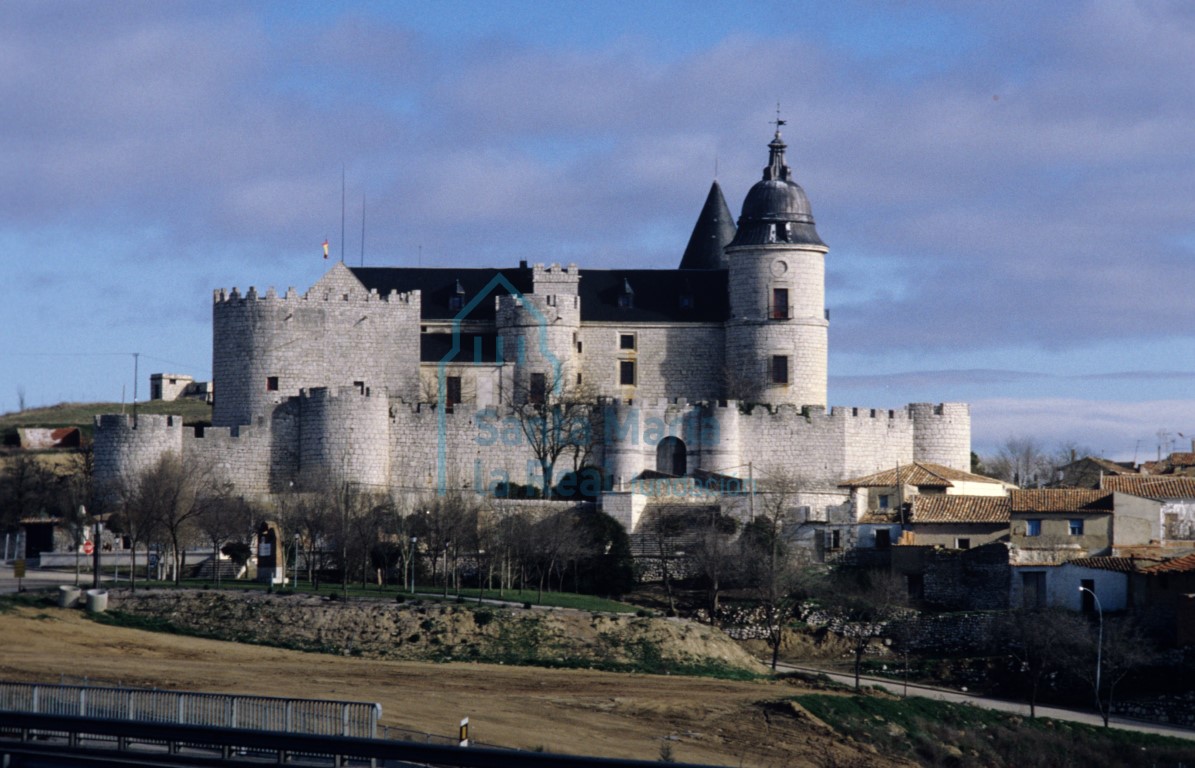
(452, 392)
(779, 304)
(626, 373)
(962, 543)
(1033, 527)
(271, 384)
(779, 369)
(1075, 526)
(538, 390)
(626, 341)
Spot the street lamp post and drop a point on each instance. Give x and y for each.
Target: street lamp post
(1099, 649)
(411, 561)
(296, 584)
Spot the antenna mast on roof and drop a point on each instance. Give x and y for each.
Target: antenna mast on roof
(363, 229)
(342, 213)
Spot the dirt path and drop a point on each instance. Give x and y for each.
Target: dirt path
(579, 712)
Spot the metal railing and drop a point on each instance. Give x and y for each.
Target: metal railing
(263, 713)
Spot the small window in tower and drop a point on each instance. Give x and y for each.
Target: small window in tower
(538, 390)
(779, 369)
(626, 373)
(271, 383)
(779, 304)
(578, 379)
(452, 392)
(626, 299)
(626, 341)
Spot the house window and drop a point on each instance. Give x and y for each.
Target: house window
(538, 391)
(885, 501)
(779, 304)
(271, 384)
(1033, 527)
(962, 543)
(779, 369)
(626, 373)
(626, 341)
(452, 392)
(834, 539)
(1075, 527)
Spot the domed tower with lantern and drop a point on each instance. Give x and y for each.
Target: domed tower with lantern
(777, 332)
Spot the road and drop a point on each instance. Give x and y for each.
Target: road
(961, 697)
(36, 579)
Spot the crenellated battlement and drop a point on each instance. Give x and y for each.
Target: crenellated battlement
(234, 296)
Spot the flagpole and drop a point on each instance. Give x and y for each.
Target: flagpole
(363, 230)
(342, 213)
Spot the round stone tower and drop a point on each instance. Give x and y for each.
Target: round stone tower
(539, 334)
(776, 338)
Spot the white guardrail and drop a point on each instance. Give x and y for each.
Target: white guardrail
(265, 713)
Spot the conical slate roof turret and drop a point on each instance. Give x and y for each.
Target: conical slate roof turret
(711, 234)
(776, 209)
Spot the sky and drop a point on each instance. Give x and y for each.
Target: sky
(1007, 190)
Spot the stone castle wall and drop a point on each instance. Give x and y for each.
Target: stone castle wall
(268, 348)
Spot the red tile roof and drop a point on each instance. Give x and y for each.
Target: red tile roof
(1061, 499)
(960, 509)
(1152, 486)
(1118, 564)
(922, 474)
(1184, 564)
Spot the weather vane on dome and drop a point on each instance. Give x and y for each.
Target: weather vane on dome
(778, 122)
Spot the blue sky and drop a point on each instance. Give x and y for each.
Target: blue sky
(1007, 192)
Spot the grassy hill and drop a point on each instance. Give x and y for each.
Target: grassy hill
(83, 415)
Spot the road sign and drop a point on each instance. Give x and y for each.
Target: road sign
(18, 569)
(88, 547)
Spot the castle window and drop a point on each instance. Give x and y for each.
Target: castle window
(578, 379)
(538, 391)
(271, 384)
(779, 310)
(626, 299)
(779, 369)
(626, 373)
(452, 392)
(626, 341)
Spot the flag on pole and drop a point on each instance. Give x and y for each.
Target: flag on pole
(325, 248)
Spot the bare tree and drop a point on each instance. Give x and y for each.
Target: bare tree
(862, 603)
(777, 574)
(665, 525)
(1105, 661)
(1021, 460)
(557, 419)
(1041, 643)
(222, 518)
(713, 554)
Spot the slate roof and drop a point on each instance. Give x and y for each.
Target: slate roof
(1060, 500)
(922, 474)
(711, 234)
(960, 509)
(1152, 486)
(660, 295)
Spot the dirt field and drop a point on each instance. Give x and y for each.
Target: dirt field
(578, 712)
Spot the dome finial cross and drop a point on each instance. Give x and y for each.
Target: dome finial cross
(778, 122)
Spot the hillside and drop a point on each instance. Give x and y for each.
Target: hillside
(83, 415)
(752, 724)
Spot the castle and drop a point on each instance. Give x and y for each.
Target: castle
(411, 380)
